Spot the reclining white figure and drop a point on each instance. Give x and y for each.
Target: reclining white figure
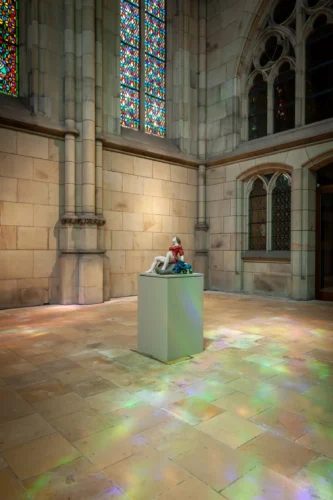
(174, 254)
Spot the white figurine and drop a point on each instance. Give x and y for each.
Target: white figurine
(174, 254)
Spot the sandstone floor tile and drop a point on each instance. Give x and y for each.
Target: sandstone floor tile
(76, 480)
(320, 392)
(134, 381)
(189, 490)
(264, 483)
(319, 439)
(112, 400)
(160, 396)
(287, 381)
(173, 438)
(257, 388)
(38, 392)
(109, 446)
(80, 424)
(12, 406)
(215, 464)
(58, 365)
(93, 386)
(208, 390)
(26, 379)
(242, 404)
(193, 410)
(38, 456)
(3, 462)
(18, 369)
(180, 378)
(288, 424)
(10, 487)
(317, 476)
(114, 492)
(230, 429)
(59, 406)
(139, 417)
(278, 453)
(288, 400)
(146, 474)
(72, 376)
(22, 430)
(8, 357)
(263, 359)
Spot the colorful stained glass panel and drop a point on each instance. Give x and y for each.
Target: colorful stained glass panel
(129, 24)
(155, 37)
(155, 77)
(156, 8)
(154, 116)
(8, 47)
(129, 108)
(129, 65)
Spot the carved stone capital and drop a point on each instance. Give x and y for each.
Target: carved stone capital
(82, 220)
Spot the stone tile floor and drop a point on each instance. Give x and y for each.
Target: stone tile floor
(84, 417)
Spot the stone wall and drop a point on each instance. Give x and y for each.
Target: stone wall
(31, 200)
(146, 203)
(225, 214)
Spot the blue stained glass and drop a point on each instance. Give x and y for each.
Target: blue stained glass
(154, 116)
(156, 8)
(129, 108)
(8, 47)
(129, 64)
(155, 77)
(155, 37)
(129, 24)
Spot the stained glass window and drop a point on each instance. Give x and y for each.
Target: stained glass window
(284, 99)
(258, 216)
(142, 65)
(281, 215)
(130, 64)
(8, 47)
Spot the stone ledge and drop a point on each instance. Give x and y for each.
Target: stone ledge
(82, 220)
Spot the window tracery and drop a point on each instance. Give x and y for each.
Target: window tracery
(293, 56)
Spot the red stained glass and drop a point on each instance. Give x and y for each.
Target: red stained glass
(8, 47)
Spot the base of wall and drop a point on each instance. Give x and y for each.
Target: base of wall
(84, 279)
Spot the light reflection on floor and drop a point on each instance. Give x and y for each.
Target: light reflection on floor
(84, 417)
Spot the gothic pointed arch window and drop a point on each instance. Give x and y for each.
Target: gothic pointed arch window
(9, 47)
(293, 44)
(143, 66)
(269, 212)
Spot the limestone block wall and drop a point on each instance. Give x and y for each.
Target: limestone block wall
(227, 241)
(31, 201)
(146, 203)
(228, 24)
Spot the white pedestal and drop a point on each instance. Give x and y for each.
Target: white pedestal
(170, 315)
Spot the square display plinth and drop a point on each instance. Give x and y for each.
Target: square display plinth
(170, 315)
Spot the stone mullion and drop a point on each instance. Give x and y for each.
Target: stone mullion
(88, 108)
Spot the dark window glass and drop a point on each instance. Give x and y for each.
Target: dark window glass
(319, 72)
(258, 108)
(312, 3)
(258, 216)
(281, 214)
(325, 176)
(284, 99)
(272, 51)
(283, 10)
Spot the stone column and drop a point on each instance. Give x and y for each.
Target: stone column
(99, 107)
(88, 107)
(69, 107)
(202, 91)
(201, 228)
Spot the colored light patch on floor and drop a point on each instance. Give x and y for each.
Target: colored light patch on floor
(193, 410)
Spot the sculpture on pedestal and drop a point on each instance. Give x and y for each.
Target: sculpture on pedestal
(172, 262)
